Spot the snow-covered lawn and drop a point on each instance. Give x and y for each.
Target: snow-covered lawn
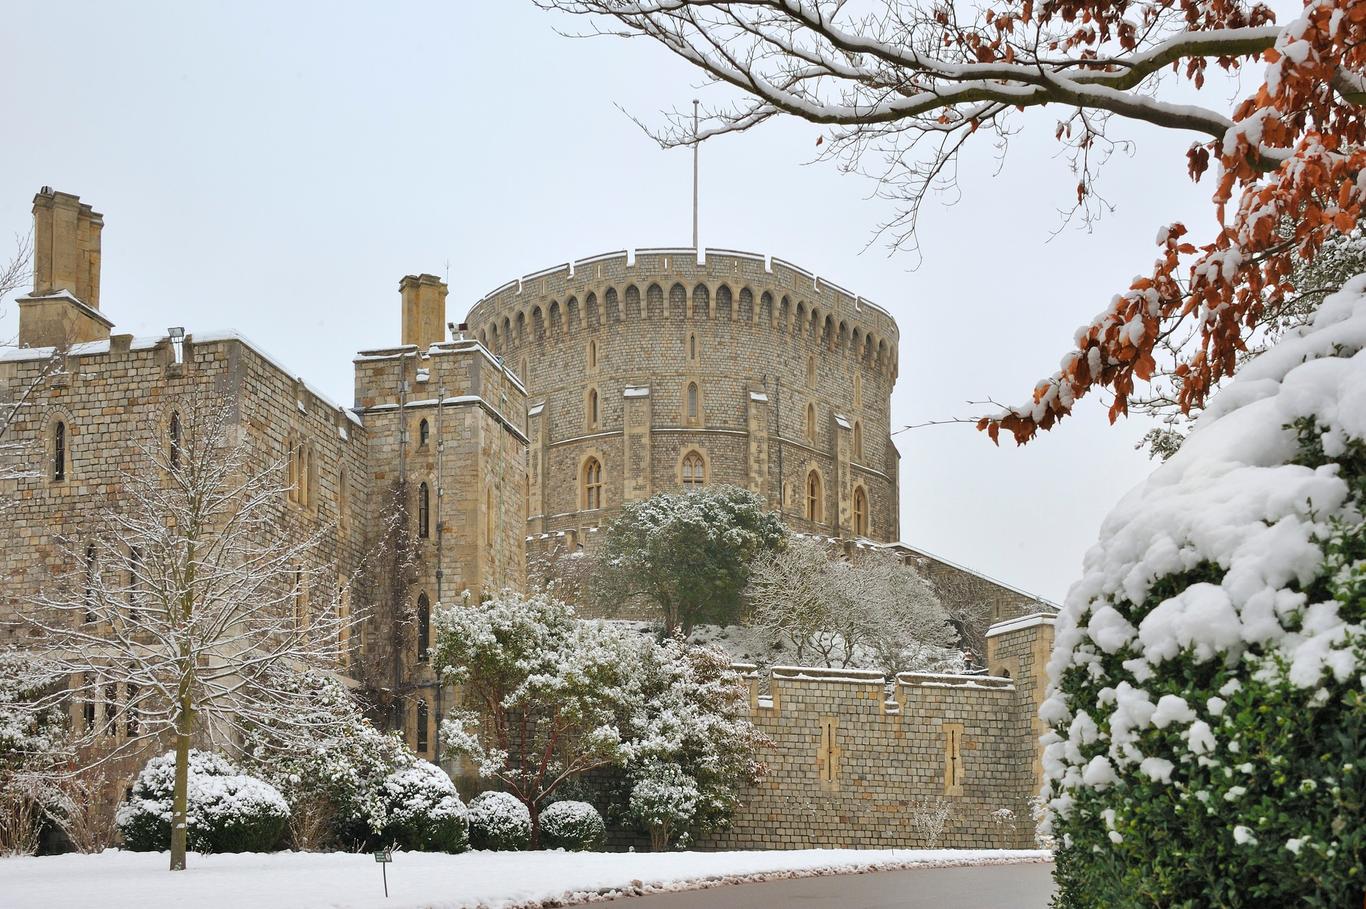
(130, 880)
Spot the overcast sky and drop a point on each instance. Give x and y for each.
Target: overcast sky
(277, 168)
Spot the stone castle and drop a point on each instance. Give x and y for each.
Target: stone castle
(566, 394)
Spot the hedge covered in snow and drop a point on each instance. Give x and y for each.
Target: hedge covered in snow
(499, 821)
(572, 826)
(228, 811)
(1206, 695)
(418, 809)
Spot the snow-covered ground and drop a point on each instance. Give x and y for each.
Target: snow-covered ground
(133, 880)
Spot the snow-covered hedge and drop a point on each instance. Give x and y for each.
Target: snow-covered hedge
(228, 811)
(572, 826)
(499, 821)
(1206, 695)
(419, 809)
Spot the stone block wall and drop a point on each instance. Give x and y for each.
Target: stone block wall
(855, 757)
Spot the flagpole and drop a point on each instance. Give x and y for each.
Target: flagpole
(695, 144)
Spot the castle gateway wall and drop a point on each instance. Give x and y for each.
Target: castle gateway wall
(855, 761)
(652, 372)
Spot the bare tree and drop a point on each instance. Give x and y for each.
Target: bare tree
(190, 608)
(868, 608)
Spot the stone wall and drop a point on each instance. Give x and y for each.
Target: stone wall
(610, 347)
(854, 758)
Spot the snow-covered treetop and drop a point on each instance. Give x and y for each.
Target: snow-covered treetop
(1238, 506)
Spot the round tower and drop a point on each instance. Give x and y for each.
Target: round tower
(663, 370)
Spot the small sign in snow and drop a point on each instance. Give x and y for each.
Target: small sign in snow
(384, 855)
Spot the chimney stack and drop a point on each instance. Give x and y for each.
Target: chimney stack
(64, 306)
(66, 246)
(424, 309)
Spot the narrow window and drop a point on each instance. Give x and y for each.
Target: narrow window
(858, 441)
(306, 478)
(88, 704)
(300, 604)
(344, 498)
(694, 407)
(424, 514)
(424, 627)
(693, 468)
(422, 722)
(174, 434)
(111, 708)
(134, 574)
(88, 594)
(592, 484)
(860, 512)
(592, 354)
(59, 451)
(813, 496)
(344, 621)
(130, 711)
(692, 346)
(488, 515)
(293, 479)
(858, 391)
(811, 422)
(424, 431)
(811, 371)
(592, 408)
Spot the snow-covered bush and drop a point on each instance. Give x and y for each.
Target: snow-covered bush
(1205, 694)
(928, 817)
(572, 826)
(499, 821)
(419, 809)
(228, 811)
(688, 747)
(664, 800)
(32, 743)
(328, 760)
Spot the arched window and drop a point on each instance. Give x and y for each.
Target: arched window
(694, 403)
(811, 422)
(344, 498)
(692, 346)
(858, 391)
(423, 721)
(860, 512)
(59, 451)
(424, 431)
(858, 441)
(592, 354)
(813, 496)
(293, 491)
(693, 471)
(811, 371)
(174, 433)
(424, 511)
(592, 484)
(300, 606)
(592, 408)
(424, 627)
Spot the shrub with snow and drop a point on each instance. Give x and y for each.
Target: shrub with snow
(1206, 696)
(418, 809)
(572, 826)
(664, 800)
(499, 821)
(228, 811)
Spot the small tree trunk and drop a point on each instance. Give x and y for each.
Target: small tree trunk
(181, 799)
(659, 838)
(534, 810)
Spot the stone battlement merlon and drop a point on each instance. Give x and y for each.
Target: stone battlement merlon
(794, 296)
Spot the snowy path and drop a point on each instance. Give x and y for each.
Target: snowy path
(124, 880)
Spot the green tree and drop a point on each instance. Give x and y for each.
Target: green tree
(687, 555)
(540, 692)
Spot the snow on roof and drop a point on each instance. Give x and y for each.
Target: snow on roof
(1024, 621)
(758, 396)
(841, 421)
(636, 391)
(69, 296)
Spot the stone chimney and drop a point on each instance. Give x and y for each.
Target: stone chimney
(424, 310)
(64, 306)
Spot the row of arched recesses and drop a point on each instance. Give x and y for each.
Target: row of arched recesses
(693, 473)
(814, 503)
(777, 311)
(691, 407)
